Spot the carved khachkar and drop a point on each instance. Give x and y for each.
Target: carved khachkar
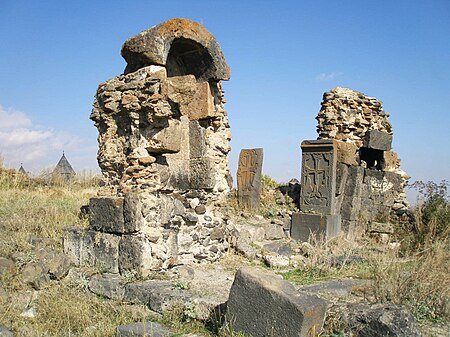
(318, 193)
(249, 177)
(318, 176)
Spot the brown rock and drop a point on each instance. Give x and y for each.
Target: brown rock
(347, 153)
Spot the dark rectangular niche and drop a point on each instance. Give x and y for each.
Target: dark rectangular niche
(373, 158)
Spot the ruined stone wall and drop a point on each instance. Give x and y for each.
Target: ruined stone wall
(347, 115)
(163, 150)
(370, 183)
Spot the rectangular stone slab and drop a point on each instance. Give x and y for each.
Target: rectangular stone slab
(322, 226)
(318, 176)
(106, 214)
(262, 304)
(249, 177)
(378, 140)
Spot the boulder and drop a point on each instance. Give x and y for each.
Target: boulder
(263, 304)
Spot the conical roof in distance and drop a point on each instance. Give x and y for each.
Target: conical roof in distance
(22, 170)
(64, 169)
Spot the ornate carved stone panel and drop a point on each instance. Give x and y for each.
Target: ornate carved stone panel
(318, 176)
(249, 177)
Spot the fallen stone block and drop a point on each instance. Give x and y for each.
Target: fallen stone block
(147, 329)
(107, 285)
(364, 320)
(262, 304)
(157, 295)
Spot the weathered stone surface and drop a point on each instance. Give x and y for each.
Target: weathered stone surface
(6, 265)
(318, 176)
(107, 285)
(262, 304)
(106, 214)
(59, 266)
(377, 320)
(381, 227)
(249, 177)
(391, 161)
(154, 45)
(336, 288)
(368, 189)
(4, 332)
(147, 329)
(157, 295)
(280, 248)
(132, 213)
(274, 232)
(347, 153)
(87, 247)
(321, 226)
(163, 136)
(243, 247)
(135, 254)
(378, 140)
(35, 274)
(276, 261)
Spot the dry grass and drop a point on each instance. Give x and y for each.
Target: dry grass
(30, 209)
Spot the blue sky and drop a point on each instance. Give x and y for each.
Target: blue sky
(283, 56)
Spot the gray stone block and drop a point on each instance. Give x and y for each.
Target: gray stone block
(86, 247)
(135, 254)
(157, 295)
(132, 213)
(72, 243)
(378, 140)
(106, 214)
(201, 175)
(147, 329)
(263, 304)
(321, 226)
(100, 250)
(107, 285)
(377, 320)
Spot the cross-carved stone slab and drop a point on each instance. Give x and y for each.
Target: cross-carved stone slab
(249, 177)
(318, 176)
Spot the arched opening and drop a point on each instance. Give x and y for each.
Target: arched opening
(187, 57)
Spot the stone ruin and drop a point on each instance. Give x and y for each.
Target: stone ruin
(350, 175)
(163, 145)
(163, 151)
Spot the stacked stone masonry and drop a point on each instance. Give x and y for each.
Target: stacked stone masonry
(163, 151)
(369, 181)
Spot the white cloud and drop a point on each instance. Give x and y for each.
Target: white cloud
(327, 76)
(37, 147)
(13, 119)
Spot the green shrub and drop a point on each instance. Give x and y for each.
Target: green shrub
(431, 215)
